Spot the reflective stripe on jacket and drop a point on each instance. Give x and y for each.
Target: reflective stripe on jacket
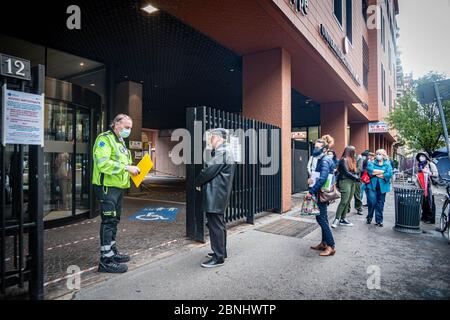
(110, 156)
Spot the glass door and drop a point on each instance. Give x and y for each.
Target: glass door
(82, 173)
(58, 160)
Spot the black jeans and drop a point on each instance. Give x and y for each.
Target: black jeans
(429, 209)
(322, 220)
(111, 209)
(218, 235)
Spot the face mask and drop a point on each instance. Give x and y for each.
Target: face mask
(317, 152)
(379, 157)
(331, 156)
(125, 133)
(364, 157)
(422, 159)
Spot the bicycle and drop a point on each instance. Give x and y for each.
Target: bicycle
(444, 224)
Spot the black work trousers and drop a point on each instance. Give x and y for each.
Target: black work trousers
(111, 209)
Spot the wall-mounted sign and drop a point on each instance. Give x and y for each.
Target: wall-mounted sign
(339, 54)
(236, 148)
(378, 127)
(301, 6)
(15, 67)
(136, 145)
(23, 118)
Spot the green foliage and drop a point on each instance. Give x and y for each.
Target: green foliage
(420, 125)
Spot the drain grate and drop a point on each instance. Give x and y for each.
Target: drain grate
(289, 228)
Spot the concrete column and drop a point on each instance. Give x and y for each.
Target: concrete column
(267, 98)
(359, 136)
(129, 101)
(373, 138)
(333, 121)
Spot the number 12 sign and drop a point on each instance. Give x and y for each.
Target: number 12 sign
(15, 67)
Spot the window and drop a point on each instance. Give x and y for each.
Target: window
(365, 6)
(383, 31)
(365, 63)
(390, 99)
(390, 57)
(338, 10)
(383, 85)
(348, 19)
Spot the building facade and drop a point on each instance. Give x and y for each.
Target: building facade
(310, 67)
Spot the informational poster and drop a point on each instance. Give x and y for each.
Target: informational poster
(236, 148)
(23, 118)
(378, 127)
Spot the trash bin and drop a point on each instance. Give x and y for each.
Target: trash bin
(408, 206)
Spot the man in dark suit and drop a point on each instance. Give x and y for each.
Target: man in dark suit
(216, 182)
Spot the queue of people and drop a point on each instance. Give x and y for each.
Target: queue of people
(355, 175)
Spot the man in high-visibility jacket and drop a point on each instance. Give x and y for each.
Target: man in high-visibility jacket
(111, 177)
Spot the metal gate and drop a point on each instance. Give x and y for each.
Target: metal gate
(21, 209)
(252, 191)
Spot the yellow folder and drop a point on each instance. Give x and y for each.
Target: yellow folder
(145, 165)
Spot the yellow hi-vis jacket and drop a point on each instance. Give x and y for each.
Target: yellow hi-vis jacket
(110, 158)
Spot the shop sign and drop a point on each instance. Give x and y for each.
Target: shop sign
(136, 145)
(378, 127)
(15, 67)
(301, 6)
(339, 54)
(23, 118)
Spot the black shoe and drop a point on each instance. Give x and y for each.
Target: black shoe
(110, 266)
(212, 264)
(118, 257)
(368, 221)
(428, 222)
(379, 225)
(365, 205)
(211, 254)
(359, 212)
(121, 258)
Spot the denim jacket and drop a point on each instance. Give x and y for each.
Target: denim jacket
(385, 184)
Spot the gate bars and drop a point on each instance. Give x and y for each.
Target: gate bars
(25, 225)
(252, 192)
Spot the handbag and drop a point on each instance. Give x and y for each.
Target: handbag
(365, 177)
(329, 196)
(309, 207)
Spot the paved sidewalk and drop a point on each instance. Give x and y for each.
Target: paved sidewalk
(269, 266)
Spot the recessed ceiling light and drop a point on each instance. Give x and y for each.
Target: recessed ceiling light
(150, 9)
(92, 84)
(126, 77)
(231, 70)
(142, 81)
(156, 86)
(82, 64)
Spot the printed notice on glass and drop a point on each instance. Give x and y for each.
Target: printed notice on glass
(23, 118)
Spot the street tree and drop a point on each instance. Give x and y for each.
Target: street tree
(419, 125)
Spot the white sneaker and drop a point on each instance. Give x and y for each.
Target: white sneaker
(335, 223)
(346, 223)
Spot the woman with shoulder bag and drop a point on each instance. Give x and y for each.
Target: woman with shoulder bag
(428, 171)
(324, 167)
(347, 179)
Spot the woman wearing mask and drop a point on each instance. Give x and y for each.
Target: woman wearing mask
(429, 172)
(347, 178)
(332, 155)
(380, 172)
(324, 167)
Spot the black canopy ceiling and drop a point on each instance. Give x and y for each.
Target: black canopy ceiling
(179, 67)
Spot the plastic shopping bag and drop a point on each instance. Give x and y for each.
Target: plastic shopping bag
(309, 207)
